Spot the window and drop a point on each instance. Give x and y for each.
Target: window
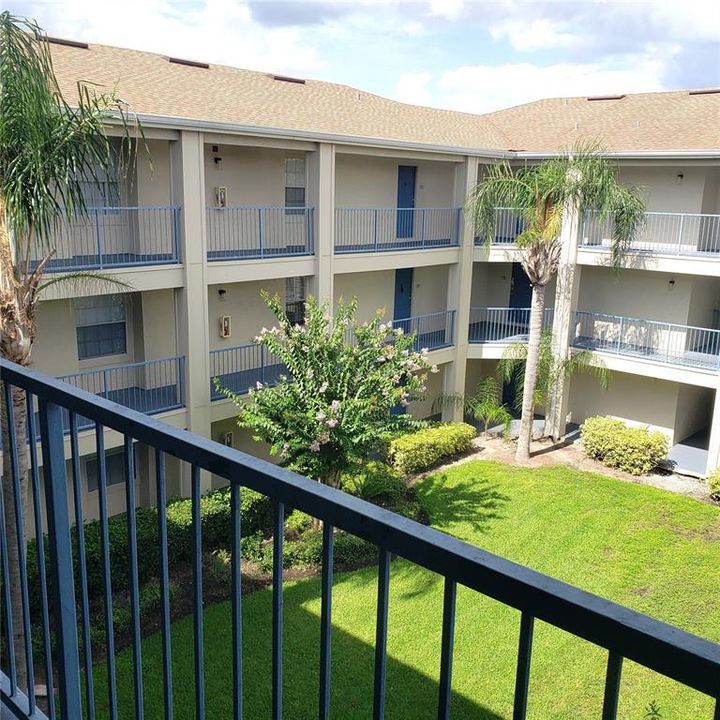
(295, 300)
(294, 185)
(100, 323)
(114, 468)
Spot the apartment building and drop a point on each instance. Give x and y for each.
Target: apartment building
(298, 186)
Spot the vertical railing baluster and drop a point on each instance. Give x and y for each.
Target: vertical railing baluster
(375, 232)
(19, 507)
(446, 652)
(381, 630)
(277, 611)
(198, 596)
(40, 552)
(260, 231)
(522, 677)
(7, 598)
(161, 498)
(612, 686)
(82, 567)
(326, 620)
(134, 583)
(61, 560)
(236, 600)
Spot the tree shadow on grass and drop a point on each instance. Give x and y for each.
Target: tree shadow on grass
(410, 694)
(475, 501)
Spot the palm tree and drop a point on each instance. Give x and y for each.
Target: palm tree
(550, 370)
(49, 151)
(544, 195)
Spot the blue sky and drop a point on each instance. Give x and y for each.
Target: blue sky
(472, 56)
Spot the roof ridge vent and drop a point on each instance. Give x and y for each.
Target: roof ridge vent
(68, 43)
(605, 97)
(707, 91)
(189, 63)
(288, 79)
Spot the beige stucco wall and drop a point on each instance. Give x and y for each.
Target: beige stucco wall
(424, 408)
(693, 412)
(704, 298)
(633, 399)
(241, 440)
(661, 189)
(246, 308)
(152, 178)
(429, 293)
(366, 181)
(373, 290)
(491, 285)
(476, 371)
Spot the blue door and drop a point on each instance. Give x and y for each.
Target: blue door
(406, 199)
(403, 297)
(520, 290)
(518, 320)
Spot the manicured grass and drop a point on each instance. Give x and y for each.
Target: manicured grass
(654, 551)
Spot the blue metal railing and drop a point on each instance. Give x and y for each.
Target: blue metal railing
(432, 331)
(508, 225)
(240, 368)
(666, 343)
(116, 237)
(662, 233)
(496, 324)
(246, 233)
(624, 633)
(151, 386)
(383, 229)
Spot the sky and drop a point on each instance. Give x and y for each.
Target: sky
(458, 54)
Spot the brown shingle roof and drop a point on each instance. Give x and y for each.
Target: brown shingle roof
(154, 86)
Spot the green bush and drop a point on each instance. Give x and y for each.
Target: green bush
(714, 484)
(297, 522)
(634, 450)
(376, 482)
(151, 599)
(425, 448)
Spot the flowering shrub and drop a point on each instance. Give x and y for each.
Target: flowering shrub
(334, 407)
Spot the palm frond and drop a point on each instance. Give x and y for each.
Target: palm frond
(84, 280)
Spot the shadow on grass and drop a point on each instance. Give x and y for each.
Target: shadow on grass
(410, 694)
(475, 501)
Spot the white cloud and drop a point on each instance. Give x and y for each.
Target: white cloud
(412, 88)
(538, 34)
(483, 88)
(450, 9)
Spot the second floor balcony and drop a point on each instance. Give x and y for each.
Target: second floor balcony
(249, 233)
(660, 342)
(502, 324)
(662, 233)
(432, 332)
(116, 237)
(508, 225)
(370, 230)
(240, 368)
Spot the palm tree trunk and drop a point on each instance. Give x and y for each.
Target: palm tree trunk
(537, 310)
(14, 541)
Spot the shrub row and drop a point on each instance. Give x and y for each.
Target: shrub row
(635, 450)
(714, 484)
(425, 448)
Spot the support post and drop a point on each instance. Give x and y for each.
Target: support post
(321, 196)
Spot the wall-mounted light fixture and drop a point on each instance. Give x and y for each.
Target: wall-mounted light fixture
(679, 178)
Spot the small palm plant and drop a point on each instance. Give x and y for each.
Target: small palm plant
(486, 405)
(543, 194)
(549, 370)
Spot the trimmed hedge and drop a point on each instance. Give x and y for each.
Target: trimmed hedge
(634, 450)
(376, 482)
(714, 484)
(425, 448)
(256, 513)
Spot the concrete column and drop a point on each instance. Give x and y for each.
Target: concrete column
(459, 289)
(188, 192)
(714, 443)
(566, 299)
(321, 197)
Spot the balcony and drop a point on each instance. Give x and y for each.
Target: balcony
(508, 225)
(240, 368)
(682, 234)
(373, 230)
(250, 233)
(616, 631)
(116, 237)
(433, 331)
(151, 387)
(658, 342)
(502, 325)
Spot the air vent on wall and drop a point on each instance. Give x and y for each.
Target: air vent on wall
(286, 78)
(69, 43)
(606, 97)
(709, 91)
(189, 63)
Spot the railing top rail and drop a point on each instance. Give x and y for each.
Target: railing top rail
(123, 366)
(260, 207)
(667, 214)
(393, 209)
(217, 351)
(491, 307)
(439, 313)
(675, 653)
(115, 208)
(675, 326)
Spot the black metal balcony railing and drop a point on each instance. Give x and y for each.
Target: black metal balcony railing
(624, 633)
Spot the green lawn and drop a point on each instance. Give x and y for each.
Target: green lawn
(654, 551)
